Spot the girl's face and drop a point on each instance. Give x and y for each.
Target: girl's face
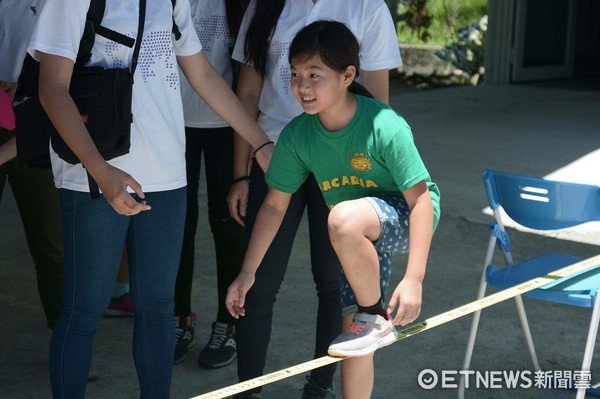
(317, 87)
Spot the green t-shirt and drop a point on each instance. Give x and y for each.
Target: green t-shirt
(373, 156)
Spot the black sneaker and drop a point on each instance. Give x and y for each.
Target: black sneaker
(220, 350)
(314, 391)
(94, 373)
(184, 339)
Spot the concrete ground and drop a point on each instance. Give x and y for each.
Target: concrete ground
(532, 129)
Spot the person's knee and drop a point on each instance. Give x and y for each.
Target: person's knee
(225, 228)
(259, 305)
(340, 222)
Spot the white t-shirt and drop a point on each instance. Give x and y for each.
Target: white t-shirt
(369, 20)
(157, 155)
(210, 21)
(17, 19)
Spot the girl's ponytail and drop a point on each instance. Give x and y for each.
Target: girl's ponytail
(235, 13)
(260, 31)
(359, 89)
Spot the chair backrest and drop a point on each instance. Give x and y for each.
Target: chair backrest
(542, 204)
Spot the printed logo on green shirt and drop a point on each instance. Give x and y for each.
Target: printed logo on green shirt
(361, 162)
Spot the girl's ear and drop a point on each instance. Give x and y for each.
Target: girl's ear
(349, 75)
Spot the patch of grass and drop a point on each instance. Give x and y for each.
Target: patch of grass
(448, 16)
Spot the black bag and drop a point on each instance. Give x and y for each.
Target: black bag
(102, 96)
(33, 140)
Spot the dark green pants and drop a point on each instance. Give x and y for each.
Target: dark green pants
(37, 200)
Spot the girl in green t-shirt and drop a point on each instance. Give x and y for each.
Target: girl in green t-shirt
(381, 197)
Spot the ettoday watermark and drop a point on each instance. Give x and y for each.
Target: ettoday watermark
(505, 379)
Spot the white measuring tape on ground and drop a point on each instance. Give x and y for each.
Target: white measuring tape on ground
(414, 329)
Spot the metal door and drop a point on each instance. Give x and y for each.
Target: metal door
(544, 39)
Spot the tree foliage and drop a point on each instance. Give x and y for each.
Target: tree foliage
(416, 17)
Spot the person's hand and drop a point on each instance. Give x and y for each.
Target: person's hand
(113, 183)
(263, 156)
(236, 293)
(407, 298)
(237, 200)
(9, 87)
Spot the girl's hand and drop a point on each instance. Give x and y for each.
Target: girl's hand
(237, 199)
(8, 150)
(113, 183)
(236, 293)
(407, 297)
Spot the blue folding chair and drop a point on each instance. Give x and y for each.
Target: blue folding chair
(541, 205)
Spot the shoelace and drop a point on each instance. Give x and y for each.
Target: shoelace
(355, 328)
(217, 337)
(179, 333)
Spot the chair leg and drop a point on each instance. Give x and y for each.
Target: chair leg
(527, 332)
(591, 341)
(468, 353)
(476, 317)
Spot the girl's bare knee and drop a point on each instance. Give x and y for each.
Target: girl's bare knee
(340, 221)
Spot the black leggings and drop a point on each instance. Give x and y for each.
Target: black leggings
(254, 329)
(217, 146)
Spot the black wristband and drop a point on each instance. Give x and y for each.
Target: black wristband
(261, 146)
(239, 179)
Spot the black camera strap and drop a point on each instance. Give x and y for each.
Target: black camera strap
(94, 190)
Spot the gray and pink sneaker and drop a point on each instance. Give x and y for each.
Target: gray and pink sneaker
(366, 334)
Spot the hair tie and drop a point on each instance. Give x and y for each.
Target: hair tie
(239, 179)
(261, 146)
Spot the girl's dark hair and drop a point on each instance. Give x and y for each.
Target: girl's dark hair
(260, 31)
(235, 13)
(334, 43)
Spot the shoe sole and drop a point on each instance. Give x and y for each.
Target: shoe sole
(217, 365)
(385, 341)
(182, 359)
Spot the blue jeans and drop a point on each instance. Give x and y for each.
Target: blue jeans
(94, 236)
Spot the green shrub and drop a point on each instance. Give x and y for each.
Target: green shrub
(444, 17)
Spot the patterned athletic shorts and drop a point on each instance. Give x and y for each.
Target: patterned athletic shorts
(393, 215)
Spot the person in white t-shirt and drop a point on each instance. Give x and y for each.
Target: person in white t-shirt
(209, 136)
(143, 198)
(264, 88)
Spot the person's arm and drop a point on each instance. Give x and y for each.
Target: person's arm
(378, 83)
(407, 295)
(249, 88)
(55, 77)
(267, 224)
(8, 150)
(213, 89)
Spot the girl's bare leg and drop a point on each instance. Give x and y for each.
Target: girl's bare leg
(358, 373)
(353, 227)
